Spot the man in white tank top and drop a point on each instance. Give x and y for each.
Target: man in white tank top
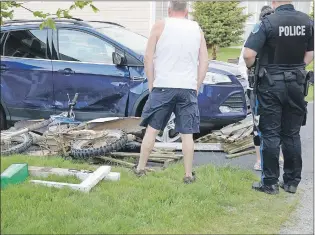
(176, 63)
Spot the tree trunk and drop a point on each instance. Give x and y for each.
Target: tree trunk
(214, 52)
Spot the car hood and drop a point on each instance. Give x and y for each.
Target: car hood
(223, 68)
(216, 66)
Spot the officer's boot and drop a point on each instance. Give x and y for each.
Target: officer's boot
(288, 188)
(269, 189)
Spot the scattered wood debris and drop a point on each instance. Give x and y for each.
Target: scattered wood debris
(236, 138)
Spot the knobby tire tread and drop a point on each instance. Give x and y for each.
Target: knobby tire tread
(83, 154)
(20, 148)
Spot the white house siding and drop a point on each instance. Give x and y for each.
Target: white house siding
(140, 15)
(254, 7)
(134, 15)
(161, 9)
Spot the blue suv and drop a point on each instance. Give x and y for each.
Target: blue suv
(103, 62)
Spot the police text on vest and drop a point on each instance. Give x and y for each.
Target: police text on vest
(292, 30)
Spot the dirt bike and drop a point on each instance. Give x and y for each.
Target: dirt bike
(85, 143)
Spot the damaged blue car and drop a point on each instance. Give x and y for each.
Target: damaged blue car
(103, 62)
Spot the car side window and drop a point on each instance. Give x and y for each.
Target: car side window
(83, 47)
(26, 44)
(1, 42)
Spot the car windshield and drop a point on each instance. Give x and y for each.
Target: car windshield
(133, 41)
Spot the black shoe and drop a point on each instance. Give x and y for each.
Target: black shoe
(139, 173)
(190, 180)
(288, 188)
(269, 189)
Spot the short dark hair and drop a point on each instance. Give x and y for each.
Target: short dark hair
(265, 10)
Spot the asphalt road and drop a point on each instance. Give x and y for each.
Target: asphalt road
(302, 219)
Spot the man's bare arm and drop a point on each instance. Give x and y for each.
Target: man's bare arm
(309, 57)
(203, 61)
(249, 57)
(150, 50)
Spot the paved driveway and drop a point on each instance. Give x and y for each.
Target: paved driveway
(303, 217)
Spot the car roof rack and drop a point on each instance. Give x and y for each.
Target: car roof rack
(75, 21)
(106, 22)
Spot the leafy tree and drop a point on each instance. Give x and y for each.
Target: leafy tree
(221, 22)
(312, 13)
(7, 12)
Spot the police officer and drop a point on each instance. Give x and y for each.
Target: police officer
(284, 42)
(249, 75)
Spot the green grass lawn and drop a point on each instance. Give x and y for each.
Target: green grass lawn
(220, 202)
(232, 53)
(227, 53)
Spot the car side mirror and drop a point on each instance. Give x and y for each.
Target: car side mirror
(118, 59)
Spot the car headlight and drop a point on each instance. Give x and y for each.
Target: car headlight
(216, 78)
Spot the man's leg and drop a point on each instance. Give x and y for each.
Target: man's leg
(187, 122)
(291, 141)
(281, 160)
(188, 151)
(256, 138)
(155, 115)
(270, 111)
(147, 146)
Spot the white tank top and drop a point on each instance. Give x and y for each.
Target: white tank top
(176, 54)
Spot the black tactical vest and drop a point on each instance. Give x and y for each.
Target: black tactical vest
(288, 34)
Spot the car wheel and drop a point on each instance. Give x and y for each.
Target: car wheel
(169, 135)
(2, 119)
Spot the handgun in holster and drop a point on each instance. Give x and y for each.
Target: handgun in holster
(251, 77)
(256, 76)
(305, 115)
(307, 83)
(263, 74)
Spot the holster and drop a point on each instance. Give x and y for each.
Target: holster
(307, 83)
(251, 79)
(305, 115)
(263, 74)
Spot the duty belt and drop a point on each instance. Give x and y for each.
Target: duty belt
(286, 76)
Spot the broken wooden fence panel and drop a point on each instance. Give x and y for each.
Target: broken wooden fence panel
(197, 147)
(228, 131)
(152, 155)
(238, 149)
(230, 156)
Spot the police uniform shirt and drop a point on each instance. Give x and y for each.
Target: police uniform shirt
(278, 44)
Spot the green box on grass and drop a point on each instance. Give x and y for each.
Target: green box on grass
(14, 174)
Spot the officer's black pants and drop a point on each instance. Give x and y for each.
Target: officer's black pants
(281, 108)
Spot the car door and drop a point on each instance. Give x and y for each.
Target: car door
(85, 66)
(26, 75)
